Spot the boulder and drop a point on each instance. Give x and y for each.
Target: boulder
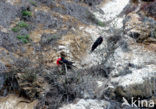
(136, 28)
(139, 27)
(132, 72)
(31, 86)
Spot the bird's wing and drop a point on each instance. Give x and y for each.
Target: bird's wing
(67, 62)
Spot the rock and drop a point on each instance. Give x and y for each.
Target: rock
(111, 10)
(89, 103)
(95, 104)
(143, 90)
(132, 69)
(26, 85)
(19, 102)
(137, 27)
(31, 86)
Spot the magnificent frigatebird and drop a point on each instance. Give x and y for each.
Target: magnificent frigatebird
(98, 41)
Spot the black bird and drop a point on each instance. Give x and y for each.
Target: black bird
(98, 41)
(66, 61)
(63, 61)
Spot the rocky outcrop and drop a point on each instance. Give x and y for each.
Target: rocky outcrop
(136, 28)
(26, 85)
(131, 71)
(19, 102)
(140, 28)
(89, 103)
(140, 20)
(31, 86)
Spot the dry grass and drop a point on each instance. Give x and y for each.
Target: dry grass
(78, 43)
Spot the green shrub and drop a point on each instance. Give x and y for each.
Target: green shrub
(20, 25)
(100, 23)
(26, 13)
(15, 29)
(32, 2)
(52, 37)
(24, 38)
(93, 18)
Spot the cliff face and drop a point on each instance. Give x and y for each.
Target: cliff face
(33, 33)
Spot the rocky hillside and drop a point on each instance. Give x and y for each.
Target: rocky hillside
(33, 34)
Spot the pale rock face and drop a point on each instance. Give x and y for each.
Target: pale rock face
(88, 104)
(133, 70)
(111, 10)
(96, 57)
(133, 64)
(114, 8)
(14, 102)
(137, 57)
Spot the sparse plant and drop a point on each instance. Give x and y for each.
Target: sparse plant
(27, 13)
(15, 29)
(100, 23)
(22, 24)
(19, 26)
(54, 36)
(24, 38)
(32, 2)
(95, 20)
